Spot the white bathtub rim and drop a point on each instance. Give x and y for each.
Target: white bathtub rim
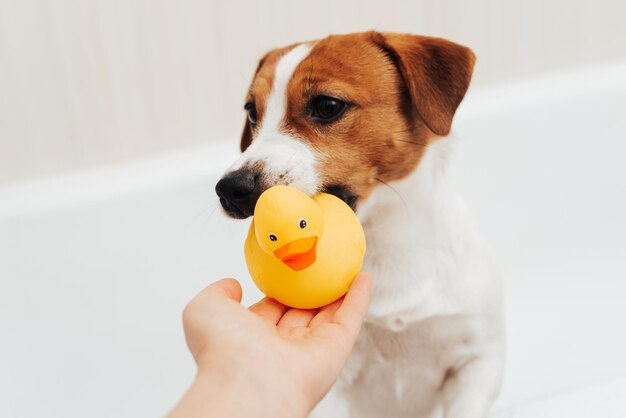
(200, 162)
(562, 84)
(114, 180)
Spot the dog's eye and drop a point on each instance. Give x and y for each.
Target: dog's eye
(302, 223)
(251, 109)
(327, 109)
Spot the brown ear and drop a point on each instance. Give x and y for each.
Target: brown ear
(437, 74)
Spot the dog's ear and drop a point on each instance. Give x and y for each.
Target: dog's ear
(437, 74)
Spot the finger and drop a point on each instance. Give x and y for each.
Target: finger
(269, 309)
(223, 289)
(212, 298)
(352, 311)
(295, 318)
(326, 313)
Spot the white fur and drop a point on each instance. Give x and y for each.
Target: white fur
(286, 159)
(433, 340)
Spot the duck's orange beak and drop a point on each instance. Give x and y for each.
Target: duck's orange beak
(298, 254)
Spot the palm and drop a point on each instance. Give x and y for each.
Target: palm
(306, 348)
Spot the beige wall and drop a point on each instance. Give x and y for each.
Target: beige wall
(87, 82)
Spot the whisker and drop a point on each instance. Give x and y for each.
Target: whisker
(421, 144)
(425, 145)
(409, 130)
(406, 208)
(208, 211)
(292, 155)
(212, 212)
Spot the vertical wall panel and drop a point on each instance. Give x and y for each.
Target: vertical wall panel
(87, 82)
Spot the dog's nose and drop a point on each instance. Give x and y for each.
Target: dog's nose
(238, 192)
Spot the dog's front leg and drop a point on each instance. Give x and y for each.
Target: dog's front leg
(333, 405)
(470, 390)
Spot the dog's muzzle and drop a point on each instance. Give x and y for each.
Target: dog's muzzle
(238, 192)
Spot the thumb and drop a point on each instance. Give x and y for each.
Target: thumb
(352, 311)
(222, 289)
(214, 298)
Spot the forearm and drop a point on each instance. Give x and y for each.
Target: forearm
(222, 395)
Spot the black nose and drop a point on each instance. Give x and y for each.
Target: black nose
(238, 192)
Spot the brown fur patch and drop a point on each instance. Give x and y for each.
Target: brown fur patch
(260, 89)
(401, 91)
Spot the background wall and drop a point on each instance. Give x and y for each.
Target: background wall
(84, 83)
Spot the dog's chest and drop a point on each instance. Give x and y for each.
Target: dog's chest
(407, 368)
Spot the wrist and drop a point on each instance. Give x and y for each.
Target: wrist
(239, 392)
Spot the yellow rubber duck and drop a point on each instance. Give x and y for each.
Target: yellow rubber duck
(302, 251)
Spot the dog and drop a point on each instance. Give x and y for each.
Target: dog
(364, 116)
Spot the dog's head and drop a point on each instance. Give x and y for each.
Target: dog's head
(344, 114)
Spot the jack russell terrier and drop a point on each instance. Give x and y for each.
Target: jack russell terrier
(362, 116)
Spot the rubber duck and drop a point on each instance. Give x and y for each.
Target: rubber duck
(303, 251)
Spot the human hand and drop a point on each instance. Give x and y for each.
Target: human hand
(267, 360)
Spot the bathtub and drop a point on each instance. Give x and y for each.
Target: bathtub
(96, 266)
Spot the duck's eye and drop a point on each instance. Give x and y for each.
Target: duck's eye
(273, 237)
(302, 223)
(251, 109)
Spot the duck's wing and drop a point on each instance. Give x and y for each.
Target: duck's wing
(340, 217)
(355, 233)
